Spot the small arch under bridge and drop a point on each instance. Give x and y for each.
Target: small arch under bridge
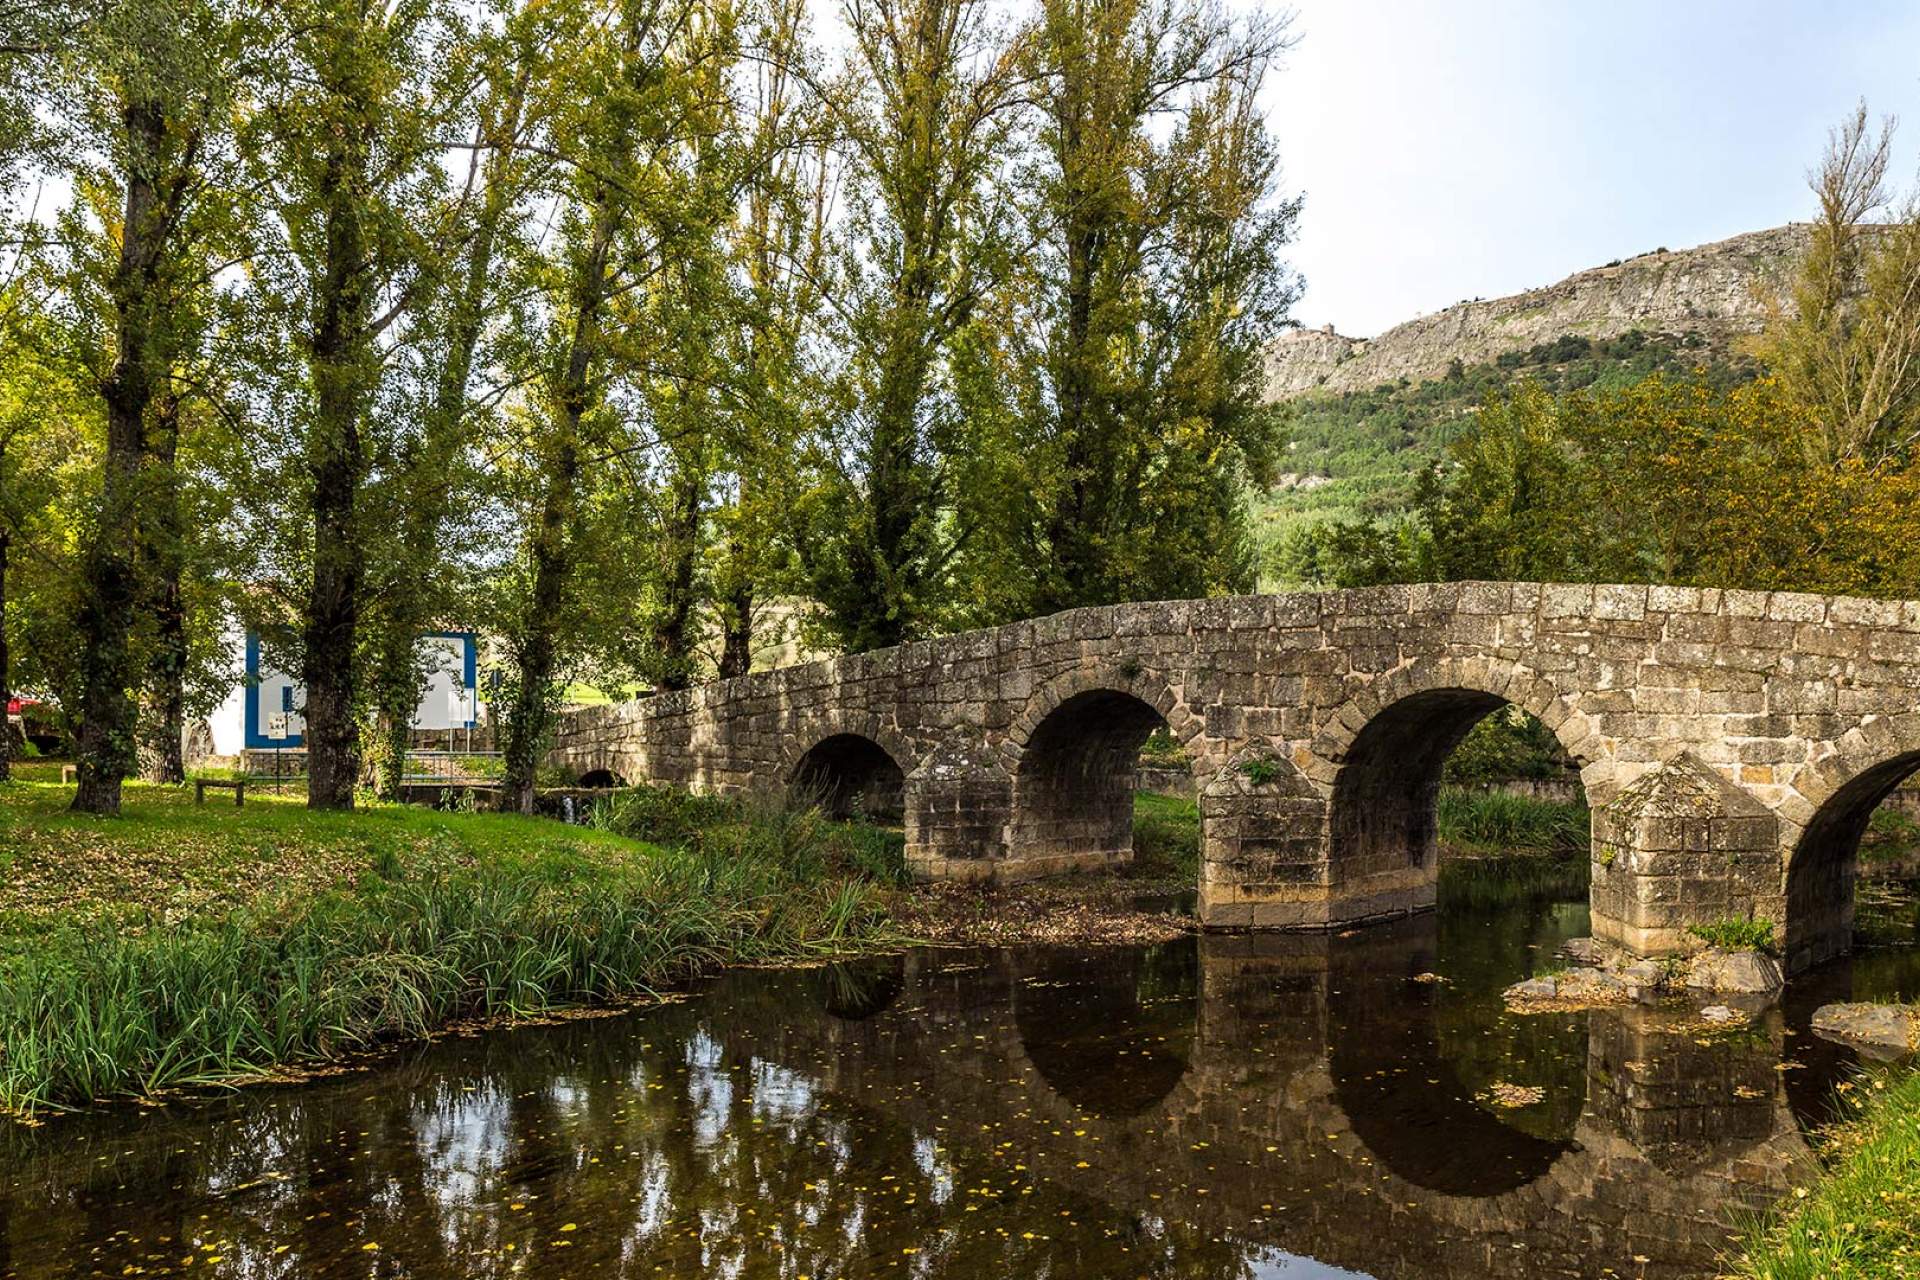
(1732, 744)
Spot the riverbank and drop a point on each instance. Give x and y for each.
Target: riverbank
(182, 945)
(1861, 1218)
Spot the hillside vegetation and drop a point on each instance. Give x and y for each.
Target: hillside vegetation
(1355, 455)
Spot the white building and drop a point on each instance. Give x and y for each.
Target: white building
(263, 711)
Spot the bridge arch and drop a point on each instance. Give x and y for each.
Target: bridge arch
(1072, 754)
(1838, 795)
(1388, 746)
(849, 764)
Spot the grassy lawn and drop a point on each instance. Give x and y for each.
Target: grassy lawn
(180, 944)
(1166, 838)
(166, 860)
(1862, 1218)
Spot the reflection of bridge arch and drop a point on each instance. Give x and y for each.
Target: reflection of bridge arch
(1637, 1114)
(1258, 1117)
(1112, 1048)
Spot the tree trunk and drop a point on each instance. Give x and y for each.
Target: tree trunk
(537, 655)
(672, 639)
(336, 461)
(104, 743)
(164, 710)
(736, 631)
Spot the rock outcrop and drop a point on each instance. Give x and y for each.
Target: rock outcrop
(1883, 1031)
(1714, 290)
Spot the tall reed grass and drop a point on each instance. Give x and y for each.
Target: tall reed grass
(92, 1012)
(1500, 820)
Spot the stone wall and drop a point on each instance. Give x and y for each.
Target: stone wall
(1316, 725)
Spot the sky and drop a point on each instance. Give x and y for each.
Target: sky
(1475, 148)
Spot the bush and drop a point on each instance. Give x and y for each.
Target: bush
(1891, 834)
(1166, 837)
(797, 837)
(1505, 745)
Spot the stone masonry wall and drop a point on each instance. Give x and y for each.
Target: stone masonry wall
(1311, 721)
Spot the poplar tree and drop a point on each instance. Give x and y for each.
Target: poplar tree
(923, 114)
(144, 94)
(428, 526)
(1845, 341)
(1138, 320)
(642, 84)
(778, 246)
(346, 150)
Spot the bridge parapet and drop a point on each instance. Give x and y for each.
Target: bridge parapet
(1317, 724)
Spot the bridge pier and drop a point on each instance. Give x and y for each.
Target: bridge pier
(1682, 847)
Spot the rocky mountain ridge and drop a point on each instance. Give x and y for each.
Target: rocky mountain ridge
(1713, 290)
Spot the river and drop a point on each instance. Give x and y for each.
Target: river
(1222, 1106)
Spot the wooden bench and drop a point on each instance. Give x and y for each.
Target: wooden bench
(236, 785)
(69, 773)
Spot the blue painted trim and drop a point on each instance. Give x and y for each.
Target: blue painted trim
(255, 739)
(469, 662)
(252, 736)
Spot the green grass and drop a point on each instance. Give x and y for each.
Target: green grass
(1735, 934)
(1166, 837)
(1860, 1218)
(180, 945)
(1492, 821)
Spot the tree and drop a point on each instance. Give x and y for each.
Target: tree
(347, 154)
(1845, 343)
(146, 92)
(923, 113)
(1153, 287)
(412, 580)
(629, 173)
(778, 248)
(44, 459)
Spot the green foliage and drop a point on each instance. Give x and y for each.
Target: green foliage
(1891, 835)
(1166, 838)
(1857, 1219)
(1127, 355)
(1736, 934)
(1162, 748)
(1507, 745)
(1660, 481)
(1365, 451)
(1499, 820)
(796, 834)
(454, 916)
(1260, 770)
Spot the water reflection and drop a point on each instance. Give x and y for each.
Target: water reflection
(1224, 1107)
(1111, 1032)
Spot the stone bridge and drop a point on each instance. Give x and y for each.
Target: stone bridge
(1732, 744)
